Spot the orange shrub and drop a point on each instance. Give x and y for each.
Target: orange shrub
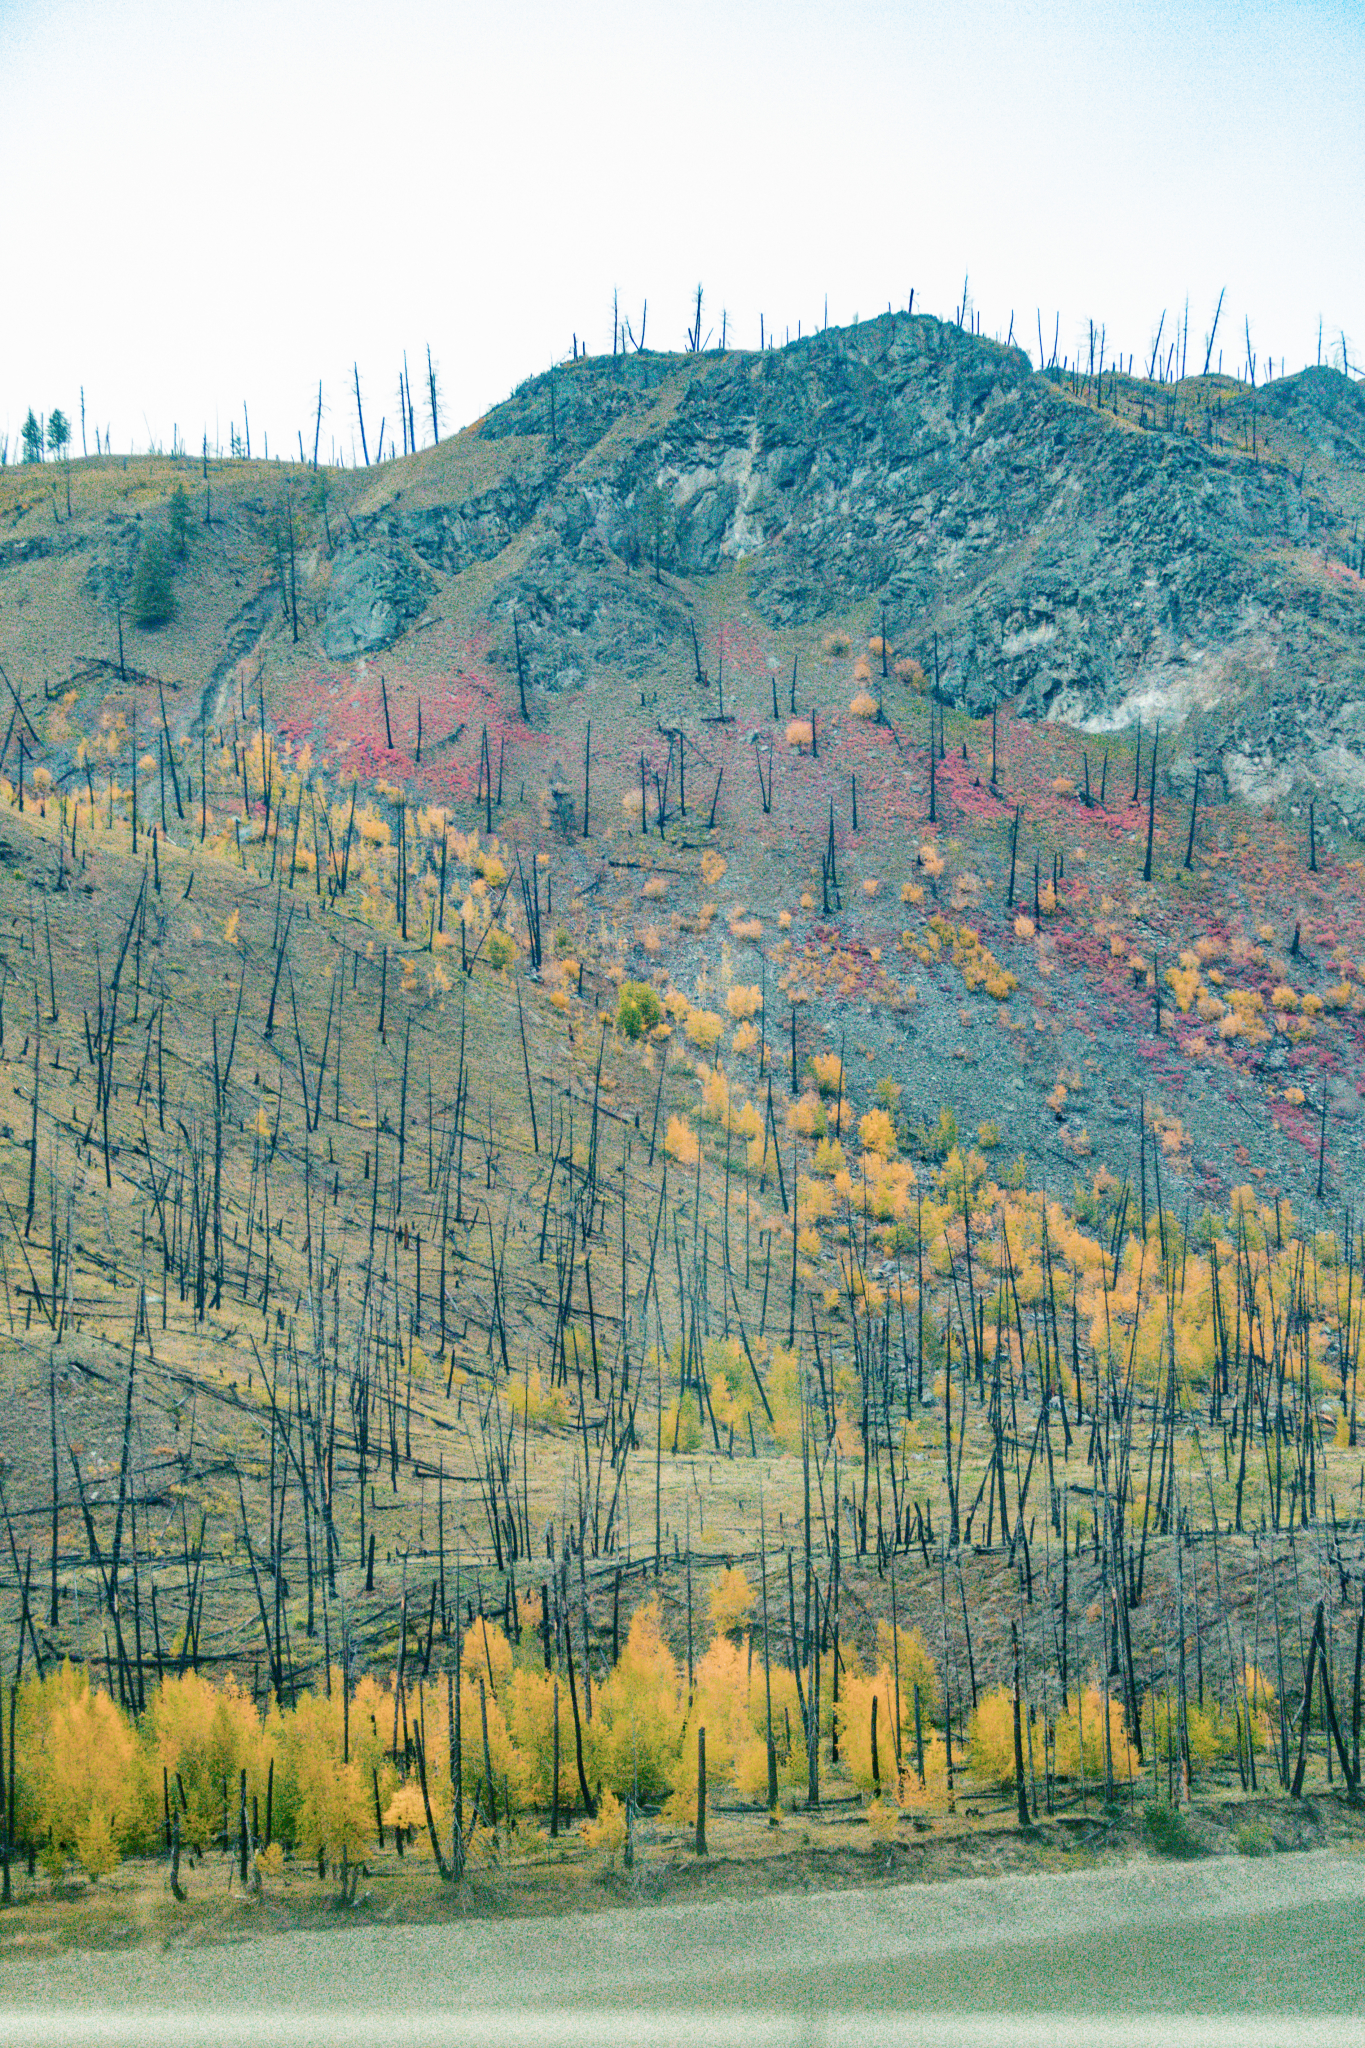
(680, 1142)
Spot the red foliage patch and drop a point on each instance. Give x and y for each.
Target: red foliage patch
(341, 713)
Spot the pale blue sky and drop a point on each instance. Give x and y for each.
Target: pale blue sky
(206, 202)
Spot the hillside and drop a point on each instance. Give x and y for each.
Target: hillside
(752, 955)
(1084, 568)
(1087, 554)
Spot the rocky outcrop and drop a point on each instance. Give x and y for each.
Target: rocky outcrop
(1089, 567)
(451, 537)
(372, 595)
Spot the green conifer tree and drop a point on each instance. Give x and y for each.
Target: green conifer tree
(153, 598)
(179, 512)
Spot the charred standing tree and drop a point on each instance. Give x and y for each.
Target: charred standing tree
(1194, 813)
(1151, 806)
(431, 387)
(521, 671)
(360, 414)
(587, 774)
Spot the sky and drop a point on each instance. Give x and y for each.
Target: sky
(212, 206)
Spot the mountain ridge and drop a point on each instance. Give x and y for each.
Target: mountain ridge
(1082, 563)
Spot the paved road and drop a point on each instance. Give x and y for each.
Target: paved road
(1229, 1952)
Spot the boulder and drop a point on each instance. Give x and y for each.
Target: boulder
(370, 599)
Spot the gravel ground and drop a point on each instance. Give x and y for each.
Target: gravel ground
(1253, 1951)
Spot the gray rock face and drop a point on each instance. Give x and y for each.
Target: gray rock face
(450, 537)
(372, 595)
(576, 609)
(1084, 567)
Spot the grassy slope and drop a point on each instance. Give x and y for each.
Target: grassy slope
(201, 1413)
